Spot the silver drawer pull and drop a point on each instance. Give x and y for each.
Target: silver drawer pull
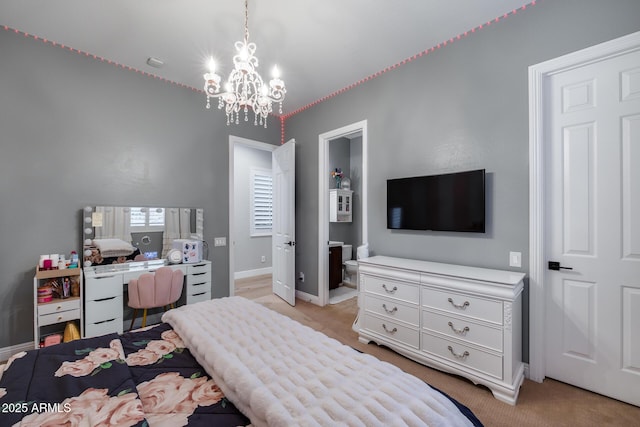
(456, 355)
(384, 286)
(392, 331)
(459, 331)
(393, 310)
(460, 306)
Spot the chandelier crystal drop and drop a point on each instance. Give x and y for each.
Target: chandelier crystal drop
(245, 89)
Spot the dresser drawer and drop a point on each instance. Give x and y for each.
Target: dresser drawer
(198, 268)
(391, 289)
(104, 327)
(392, 309)
(461, 354)
(463, 305)
(58, 306)
(197, 288)
(103, 287)
(198, 297)
(480, 334)
(62, 316)
(199, 278)
(392, 330)
(103, 309)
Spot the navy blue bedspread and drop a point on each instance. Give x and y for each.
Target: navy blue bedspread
(144, 378)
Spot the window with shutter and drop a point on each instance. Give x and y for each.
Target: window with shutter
(261, 204)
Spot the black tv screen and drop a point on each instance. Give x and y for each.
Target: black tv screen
(446, 202)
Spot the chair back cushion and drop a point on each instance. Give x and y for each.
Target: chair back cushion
(142, 291)
(157, 289)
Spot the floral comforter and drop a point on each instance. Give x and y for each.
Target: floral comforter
(145, 378)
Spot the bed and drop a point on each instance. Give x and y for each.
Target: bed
(224, 362)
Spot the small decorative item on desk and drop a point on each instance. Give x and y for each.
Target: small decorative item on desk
(337, 175)
(75, 287)
(45, 293)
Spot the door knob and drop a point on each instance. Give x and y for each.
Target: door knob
(555, 265)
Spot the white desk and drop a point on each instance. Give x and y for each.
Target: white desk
(104, 288)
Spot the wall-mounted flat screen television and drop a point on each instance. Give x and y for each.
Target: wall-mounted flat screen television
(445, 202)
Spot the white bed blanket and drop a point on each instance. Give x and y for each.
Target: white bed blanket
(282, 373)
(113, 247)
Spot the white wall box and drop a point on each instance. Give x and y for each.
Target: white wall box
(340, 205)
(462, 320)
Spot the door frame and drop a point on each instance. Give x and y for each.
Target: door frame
(324, 139)
(233, 142)
(538, 97)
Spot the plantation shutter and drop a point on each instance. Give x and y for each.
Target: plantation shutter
(261, 202)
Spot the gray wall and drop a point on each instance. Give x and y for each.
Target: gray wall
(249, 250)
(75, 131)
(464, 106)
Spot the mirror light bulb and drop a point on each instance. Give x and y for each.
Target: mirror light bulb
(276, 72)
(211, 65)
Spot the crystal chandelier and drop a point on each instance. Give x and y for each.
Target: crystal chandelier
(244, 88)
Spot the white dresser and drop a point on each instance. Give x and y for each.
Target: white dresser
(104, 291)
(462, 320)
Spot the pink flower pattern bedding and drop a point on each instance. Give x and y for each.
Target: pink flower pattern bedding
(144, 379)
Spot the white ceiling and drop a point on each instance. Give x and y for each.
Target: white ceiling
(320, 46)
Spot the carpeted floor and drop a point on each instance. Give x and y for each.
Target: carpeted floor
(550, 403)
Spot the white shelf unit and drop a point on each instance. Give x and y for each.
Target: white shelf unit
(462, 320)
(52, 317)
(340, 205)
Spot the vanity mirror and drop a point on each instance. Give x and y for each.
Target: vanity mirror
(114, 234)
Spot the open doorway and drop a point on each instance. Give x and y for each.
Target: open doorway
(346, 149)
(250, 242)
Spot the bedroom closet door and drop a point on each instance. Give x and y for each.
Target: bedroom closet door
(284, 225)
(593, 227)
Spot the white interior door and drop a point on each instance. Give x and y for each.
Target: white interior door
(284, 225)
(593, 216)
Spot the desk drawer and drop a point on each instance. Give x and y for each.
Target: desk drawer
(197, 288)
(103, 287)
(391, 289)
(463, 355)
(198, 297)
(392, 309)
(104, 327)
(199, 278)
(63, 316)
(392, 330)
(463, 305)
(480, 334)
(103, 309)
(198, 268)
(58, 306)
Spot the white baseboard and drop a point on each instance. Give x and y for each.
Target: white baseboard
(7, 352)
(313, 299)
(252, 273)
